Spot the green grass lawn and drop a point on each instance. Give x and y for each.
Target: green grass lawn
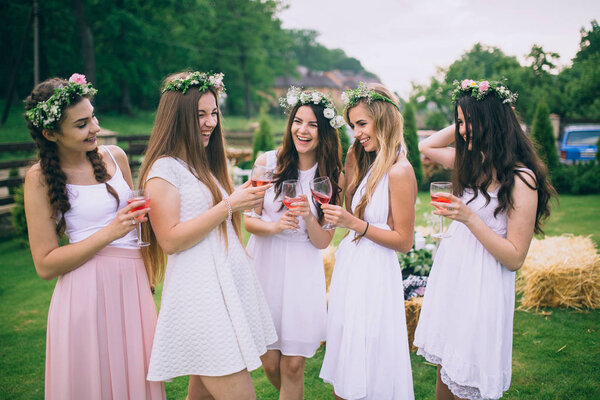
(556, 353)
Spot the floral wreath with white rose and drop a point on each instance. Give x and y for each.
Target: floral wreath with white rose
(46, 114)
(204, 81)
(481, 89)
(352, 96)
(296, 95)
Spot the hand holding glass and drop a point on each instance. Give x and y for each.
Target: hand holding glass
(291, 191)
(261, 175)
(321, 190)
(434, 189)
(139, 195)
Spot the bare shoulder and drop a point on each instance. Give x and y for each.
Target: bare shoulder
(402, 170)
(35, 176)
(525, 179)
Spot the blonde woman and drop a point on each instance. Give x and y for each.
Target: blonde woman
(214, 322)
(367, 354)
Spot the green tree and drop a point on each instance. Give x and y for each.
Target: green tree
(263, 139)
(345, 142)
(543, 136)
(412, 141)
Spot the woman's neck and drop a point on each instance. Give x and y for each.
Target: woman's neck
(306, 161)
(72, 160)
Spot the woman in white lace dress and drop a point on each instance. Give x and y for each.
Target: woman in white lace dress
(214, 323)
(501, 194)
(285, 243)
(366, 355)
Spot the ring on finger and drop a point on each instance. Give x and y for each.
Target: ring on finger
(450, 208)
(132, 221)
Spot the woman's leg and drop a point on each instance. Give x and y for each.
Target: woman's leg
(197, 390)
(237, 386)
(271, 364)
(292, 377)
(441, 390)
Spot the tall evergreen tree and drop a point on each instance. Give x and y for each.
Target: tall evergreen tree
(543, 136)
(412, 141)
(345, 142)
(263, 139)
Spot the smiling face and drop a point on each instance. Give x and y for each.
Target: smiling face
(462, 127)
(208, 116)
(305, 130)
(78, 129)
(363, 125)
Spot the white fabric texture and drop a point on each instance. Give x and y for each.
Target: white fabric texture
(466, 318)
(213, 319)
(367, 355)
(290, 270)
(92, 208)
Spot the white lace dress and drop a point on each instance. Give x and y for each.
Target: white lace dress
(466, 319)
(290, 269)
(213, 319)
(366, 355)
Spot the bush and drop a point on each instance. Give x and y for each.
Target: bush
(563, 178)
(433, 172)
(416, 262)
(345, 142)
(19, 222)
(263, 139)
(542, 135)
(582, 178)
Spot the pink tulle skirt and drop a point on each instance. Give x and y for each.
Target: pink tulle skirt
(100, 329)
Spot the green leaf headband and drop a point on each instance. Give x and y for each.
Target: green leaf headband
(295, 95)
(203, 80)
(46, 114)
(481, 89)
(352, 96)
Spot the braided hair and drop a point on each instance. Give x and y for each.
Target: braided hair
(54, 176)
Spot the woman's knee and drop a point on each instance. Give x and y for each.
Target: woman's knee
(292, 366)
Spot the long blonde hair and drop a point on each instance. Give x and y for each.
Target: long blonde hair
(176, 133)
(389, 129)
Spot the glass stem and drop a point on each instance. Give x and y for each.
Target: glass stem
(138, 228)
(441, 224)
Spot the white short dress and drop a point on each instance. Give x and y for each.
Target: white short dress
(213, 318)
(466, 319)
(367, 355)
(290, 270)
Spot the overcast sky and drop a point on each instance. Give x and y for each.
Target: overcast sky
(405, 41)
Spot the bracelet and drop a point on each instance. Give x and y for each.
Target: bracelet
(229, 209)
(366, 229)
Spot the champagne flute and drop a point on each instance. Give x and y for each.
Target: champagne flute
(139, 195)
(261, 175)
(321, 190)
(291, 191)
(434, 189)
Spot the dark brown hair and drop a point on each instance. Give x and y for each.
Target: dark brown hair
(176, 133)
(328, 155)
(49, 161)
(499, 147)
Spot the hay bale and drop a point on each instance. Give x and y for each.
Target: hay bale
(413, 310)
(560, 271)
(328, 263)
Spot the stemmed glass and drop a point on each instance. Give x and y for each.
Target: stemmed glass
(291, 191)
(434, 189)
(138, 195)
(321, 190)
(261, 175)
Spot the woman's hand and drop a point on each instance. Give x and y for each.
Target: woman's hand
(246, 197)
(125, 220)
(455, 210)
(338, 216)
(301, 208)
(287, 221)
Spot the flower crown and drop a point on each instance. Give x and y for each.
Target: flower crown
(481, 89)
(46, 114)
(352, 96)
(203, 80)
(295, 95)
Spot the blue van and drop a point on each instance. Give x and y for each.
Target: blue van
(579, 143)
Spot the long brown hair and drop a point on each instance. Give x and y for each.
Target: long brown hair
(176, 133)
(498, 148)
(54, 176)
(328, 155)
(389, 129)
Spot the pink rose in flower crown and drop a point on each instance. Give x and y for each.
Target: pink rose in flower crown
(466, 83)
(78, 78)
(483, 86)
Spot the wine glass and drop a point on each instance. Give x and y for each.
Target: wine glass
(261, 175)
(138, 195)
(434, 189)
(321, 190)
(291, 191)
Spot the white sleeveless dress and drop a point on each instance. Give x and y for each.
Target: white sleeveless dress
(367, 355)
(213, 318)
(466, 319)
(290, 270)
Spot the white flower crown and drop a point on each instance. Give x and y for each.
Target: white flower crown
(296, 95)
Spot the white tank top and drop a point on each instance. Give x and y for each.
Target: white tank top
(92, 208)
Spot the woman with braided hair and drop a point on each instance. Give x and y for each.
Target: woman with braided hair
(102, 315)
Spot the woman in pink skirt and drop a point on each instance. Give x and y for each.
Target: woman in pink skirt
(102, 315)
